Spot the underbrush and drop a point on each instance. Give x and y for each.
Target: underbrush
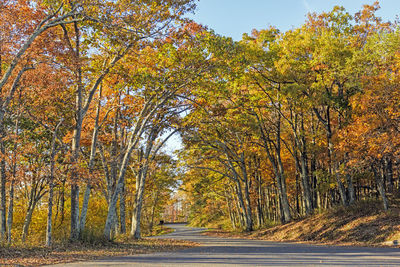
(364, 223)
(157, 230)
(89, 249)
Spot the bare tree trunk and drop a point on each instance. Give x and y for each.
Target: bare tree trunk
(84, 209)
(240, 204)
(341, 188)
(237, 207)
(76, 139)
(116, 227)
(11, 209)
(284, 200)
(2, 177)
(50, 208)
(389, 174)
(28, 219)
(350, 186)
(114, 196)
(140, 184)
(231, 214)
(380, 184)
(268, 204)
(137, 211)
(153, 210)
(249, 215)
(122, 210)
(62, 202)
(3, 199)
(260, 213)
(298, 189)
(74, 209)
(307, 196)
(313, 168)
(245, 211)
(51, 188)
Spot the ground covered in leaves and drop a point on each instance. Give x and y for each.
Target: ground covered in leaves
(363, 224)
(69, 252)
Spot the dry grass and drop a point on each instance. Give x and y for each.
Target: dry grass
(62, 253)
(362, 224)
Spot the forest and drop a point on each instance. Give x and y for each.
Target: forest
(274, 127)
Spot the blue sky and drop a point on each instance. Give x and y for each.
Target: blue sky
(235, 17)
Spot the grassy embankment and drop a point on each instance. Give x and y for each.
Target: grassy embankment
(363, 224)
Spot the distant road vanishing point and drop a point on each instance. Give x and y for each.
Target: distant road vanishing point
(216, 251)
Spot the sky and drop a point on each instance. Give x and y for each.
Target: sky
(235, 17)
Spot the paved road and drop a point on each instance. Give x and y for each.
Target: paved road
(216, 251)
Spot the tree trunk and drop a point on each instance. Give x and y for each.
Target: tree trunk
(231, 211)
(341, 188)
(350, 186)
(2, 174)
(249, 214)
(62, 202)
(389, 174)
(274, 154)
(307, 197)
(268, 204)
(3, 199)
(50, 210)
(333, 166)
(74, 234)
(74, 211)
(28, 219)
(136, 215)
(116, 222)
(140, 184)
(313, 168)
(260, 214)
(282, 190)
(298, 189)
(84, 209)
(74, 173)
(10, 209)
(122, 210)
(86, 196)
(334, 169)
(51, 188)
(153, 210)
(380, 185)
(241, 206)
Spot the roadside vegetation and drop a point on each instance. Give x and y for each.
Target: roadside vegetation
(36, 255)
(358, 225)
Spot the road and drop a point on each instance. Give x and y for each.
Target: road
(215, 251)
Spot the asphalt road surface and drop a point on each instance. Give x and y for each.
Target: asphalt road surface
(215, 251)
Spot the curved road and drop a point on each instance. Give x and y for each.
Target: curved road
(215, 251)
